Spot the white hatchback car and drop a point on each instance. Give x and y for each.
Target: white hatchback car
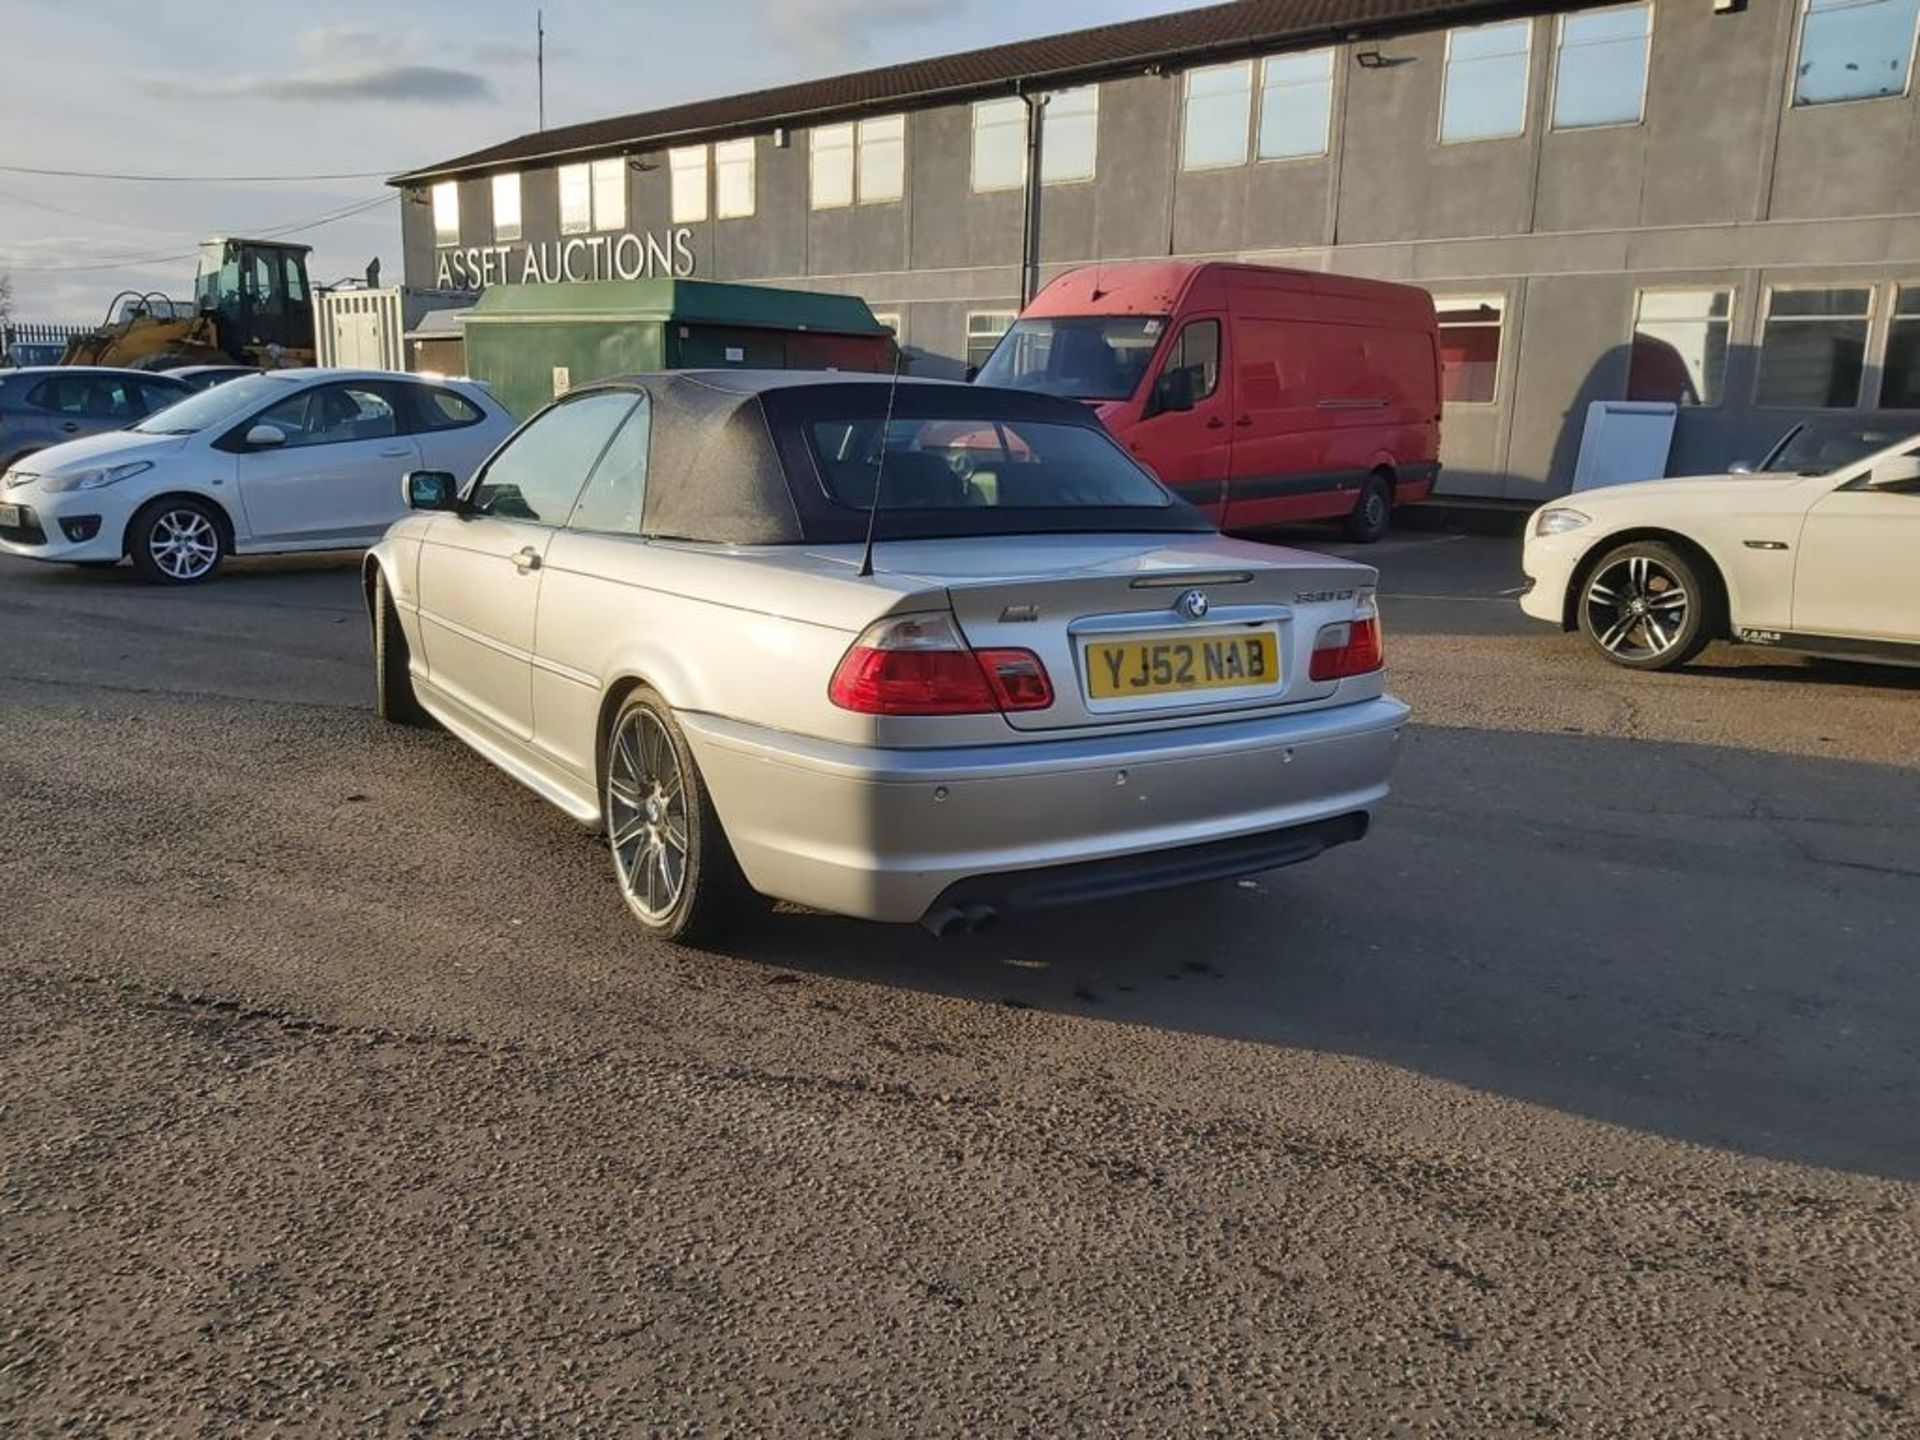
(284, 460)
(1816, 549)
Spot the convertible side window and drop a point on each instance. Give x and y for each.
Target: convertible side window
(617, 490)
(538, 474)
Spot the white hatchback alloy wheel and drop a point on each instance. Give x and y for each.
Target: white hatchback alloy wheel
(176, 543)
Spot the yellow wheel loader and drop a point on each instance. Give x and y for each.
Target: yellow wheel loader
(252, 306)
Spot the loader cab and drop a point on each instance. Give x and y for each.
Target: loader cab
(257, 293)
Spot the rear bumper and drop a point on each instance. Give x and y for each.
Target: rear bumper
(897, 834)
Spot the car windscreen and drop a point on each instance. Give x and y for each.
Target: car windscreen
(1821, 447)
(213, 407)
(973, 464)
(1083, 357)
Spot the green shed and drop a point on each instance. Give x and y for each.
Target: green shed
(532, 342)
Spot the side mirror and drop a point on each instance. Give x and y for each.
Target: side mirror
(1741, 467)
(1173, 391)
(1901, 472)
(430, 490)
(265, 437)
(973, 373)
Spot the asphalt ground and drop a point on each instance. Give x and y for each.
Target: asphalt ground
(338, 1094)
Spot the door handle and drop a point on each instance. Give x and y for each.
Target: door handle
(1244, 421)
(526, 559)
(1216, 423)
(69, 426)
(394, 454)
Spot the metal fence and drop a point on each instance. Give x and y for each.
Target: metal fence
(20, 340)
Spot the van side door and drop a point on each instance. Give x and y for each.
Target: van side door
(1185, 434)
(1301, 387)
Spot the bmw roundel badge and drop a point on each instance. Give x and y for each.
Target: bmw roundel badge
(1193, 605)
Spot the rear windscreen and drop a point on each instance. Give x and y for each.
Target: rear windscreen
(978, 464)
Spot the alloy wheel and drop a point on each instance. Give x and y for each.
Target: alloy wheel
(1637, 608)
(647, 815)
(183, 543)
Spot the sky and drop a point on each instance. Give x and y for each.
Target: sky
(200, 88)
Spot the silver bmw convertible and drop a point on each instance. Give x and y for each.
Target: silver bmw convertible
(903, 650)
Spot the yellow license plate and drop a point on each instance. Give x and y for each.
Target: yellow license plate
(1117, 669)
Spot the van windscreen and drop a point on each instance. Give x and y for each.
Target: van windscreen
(1083, 357)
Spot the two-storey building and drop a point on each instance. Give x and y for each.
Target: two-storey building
(1715, 202)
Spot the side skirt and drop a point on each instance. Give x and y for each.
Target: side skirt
(509, 754)
(1831, 647)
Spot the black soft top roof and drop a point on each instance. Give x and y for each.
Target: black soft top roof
(730, 461)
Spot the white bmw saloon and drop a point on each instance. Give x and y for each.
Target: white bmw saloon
(1817, 548)
(905, 651)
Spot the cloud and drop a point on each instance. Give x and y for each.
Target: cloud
(386, 83)
(839, 33)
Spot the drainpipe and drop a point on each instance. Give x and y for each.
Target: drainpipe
(1030, 215)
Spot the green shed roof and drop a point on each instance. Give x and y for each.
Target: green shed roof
(700, 302)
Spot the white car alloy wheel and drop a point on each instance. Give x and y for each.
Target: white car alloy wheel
(176, 542)
(1643, 606)
(647, 815)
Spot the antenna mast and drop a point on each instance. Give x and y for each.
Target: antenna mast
(540, 61)
(880, 468)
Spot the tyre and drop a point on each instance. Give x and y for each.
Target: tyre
(1372, 511)
(1648, 606)
(670, 856)
(176, 541)
(393, 697)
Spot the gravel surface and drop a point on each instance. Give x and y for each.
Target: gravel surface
(337, 1094)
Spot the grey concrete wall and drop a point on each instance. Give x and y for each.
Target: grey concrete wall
(1723, 183)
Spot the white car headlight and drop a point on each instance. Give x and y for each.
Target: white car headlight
(1558, 520)
(93, 479)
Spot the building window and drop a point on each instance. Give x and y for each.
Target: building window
(576, 200)
(1900, 376)
(1679, 346)
(999, 145)
(1296, 105)
(831, 164)
(610, 194)
(883, 159)
(984, 329)
(1070, 136)
(689, 166)
(446, 213)
(1486, 83)
(1854, 50)
(506, 207)
(1469, 348)
(1218, 115)
(1600, 73)
(733, 187)
(1813, 348)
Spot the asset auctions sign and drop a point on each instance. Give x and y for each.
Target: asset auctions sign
(625, 256)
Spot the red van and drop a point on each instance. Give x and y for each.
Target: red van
(1262, 395)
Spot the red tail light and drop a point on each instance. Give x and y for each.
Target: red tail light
(919, 665)
(1352, 647)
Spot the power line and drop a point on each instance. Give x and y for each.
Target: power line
(267, 233)
(14, 199)
(195, 179)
